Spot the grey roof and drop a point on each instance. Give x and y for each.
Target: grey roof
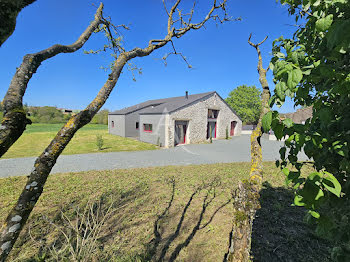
(160, 106)
(248, 127)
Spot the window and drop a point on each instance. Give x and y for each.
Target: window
(137, 125)
(112, 124)
(212, 114)
(147, 127)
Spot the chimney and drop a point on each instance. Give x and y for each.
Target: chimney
(186, 94)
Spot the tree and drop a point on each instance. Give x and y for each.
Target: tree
(313, 69)
(246, 197)
(246, 102)
(178, 25)
(9, 10)
(15, 119)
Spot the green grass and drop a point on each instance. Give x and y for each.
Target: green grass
(139, 197)
(38, 136)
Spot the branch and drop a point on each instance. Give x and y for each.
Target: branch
(14, 121)
(256, 46)
(175, 53)
(8, 15)
(46, 161)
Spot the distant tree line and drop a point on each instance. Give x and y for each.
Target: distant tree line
(53, 115)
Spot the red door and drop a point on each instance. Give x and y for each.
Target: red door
(233, 125)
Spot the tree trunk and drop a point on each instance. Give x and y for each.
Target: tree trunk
(246, 200)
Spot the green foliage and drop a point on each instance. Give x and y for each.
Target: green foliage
(101, 118)
(99, 141)
(313, 69)
(246, 102)
(226, 137)
(46, 114)
(52, 115)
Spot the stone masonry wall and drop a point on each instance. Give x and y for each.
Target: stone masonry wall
(197, 115)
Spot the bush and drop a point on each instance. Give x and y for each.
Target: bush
(99, 142)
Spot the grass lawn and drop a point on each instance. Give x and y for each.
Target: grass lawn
(38, 136)
(183, 212)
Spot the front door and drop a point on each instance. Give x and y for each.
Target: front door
(211, 128)
(233, 125)
(180, 132)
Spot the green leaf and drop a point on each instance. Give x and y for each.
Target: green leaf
(278, 130)
(324, 23)
(288, 122)
(298, 201)
(331, 183)
(314, 214)
(279, 90)
(266, 121)
(294, 77)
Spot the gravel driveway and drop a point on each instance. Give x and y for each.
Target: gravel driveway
(236, 149)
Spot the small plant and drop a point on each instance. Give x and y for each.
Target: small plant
(210, 134)
(99, 142)
(226, 133)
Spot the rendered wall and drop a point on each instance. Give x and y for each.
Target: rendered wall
(157, 136)
(130, 125)
(119, 125)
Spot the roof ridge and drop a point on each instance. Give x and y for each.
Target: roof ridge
(161, 101)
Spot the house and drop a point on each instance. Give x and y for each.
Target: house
(300, 116)
(247, 129)
(178, 120)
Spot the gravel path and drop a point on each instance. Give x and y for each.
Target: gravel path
(236, 149)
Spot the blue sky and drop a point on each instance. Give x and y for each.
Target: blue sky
(220, 55)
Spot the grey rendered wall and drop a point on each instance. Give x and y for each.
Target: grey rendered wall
(158, 132)
(130, 125)
(119, 125)
(197, 115)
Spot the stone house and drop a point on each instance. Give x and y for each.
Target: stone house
(178, 120)
(300, 116)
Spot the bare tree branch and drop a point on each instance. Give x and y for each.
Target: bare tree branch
(45, 162)
(175, 53)
(9, 9)
(14, 121)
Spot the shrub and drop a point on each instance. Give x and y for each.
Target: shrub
(99, 142)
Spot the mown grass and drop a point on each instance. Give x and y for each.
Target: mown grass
(38, 136)
(139, 197)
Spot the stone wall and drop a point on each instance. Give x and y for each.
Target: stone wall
(197, 116)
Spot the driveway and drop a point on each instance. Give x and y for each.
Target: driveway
(236, 149)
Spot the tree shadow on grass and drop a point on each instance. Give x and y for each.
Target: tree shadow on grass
(122, 235)
(82, 221)
(167, 247)
(279, 232)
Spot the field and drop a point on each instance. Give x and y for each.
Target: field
(38, 136)
(182, 213)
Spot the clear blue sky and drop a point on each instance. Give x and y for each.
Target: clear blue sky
(220, 56)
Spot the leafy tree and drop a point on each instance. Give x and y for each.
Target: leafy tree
(101, 118)
(313, 69)
(246, 101)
